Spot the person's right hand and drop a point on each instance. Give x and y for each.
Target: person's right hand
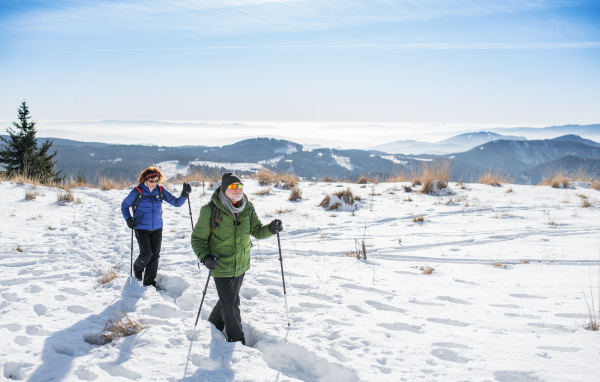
(131, 223)
(210, 262)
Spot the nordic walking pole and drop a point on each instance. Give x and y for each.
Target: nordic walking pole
(131, 268)
(191, 219)
(287, 311)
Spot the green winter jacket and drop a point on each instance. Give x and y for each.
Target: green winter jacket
(230, 240)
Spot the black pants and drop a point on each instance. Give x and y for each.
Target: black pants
(226, 313)
(149, 242)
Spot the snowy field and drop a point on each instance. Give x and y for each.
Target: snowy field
(379, 319)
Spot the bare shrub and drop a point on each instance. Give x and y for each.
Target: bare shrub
(264, 191)
(65, 196)
(493, 179)
(31, 193)
(107, 275)
(418, 219)
(435, 174)
(120, 325)
(295, 194)
(427, 270)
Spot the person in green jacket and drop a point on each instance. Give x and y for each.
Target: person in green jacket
(226, 252)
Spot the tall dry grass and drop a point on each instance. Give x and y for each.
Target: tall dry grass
(286, 180)
(493, 179)
(434, 174)
(560, 178)
(106, 184)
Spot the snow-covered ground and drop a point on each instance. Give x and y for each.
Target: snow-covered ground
(378, 319)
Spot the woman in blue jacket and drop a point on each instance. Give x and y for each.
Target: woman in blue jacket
(146, 203)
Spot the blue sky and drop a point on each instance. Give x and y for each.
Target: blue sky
(469, 62)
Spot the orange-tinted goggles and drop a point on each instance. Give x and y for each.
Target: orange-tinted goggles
(234, 186)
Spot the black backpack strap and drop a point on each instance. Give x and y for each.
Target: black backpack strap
(137, 200)
(215, 216)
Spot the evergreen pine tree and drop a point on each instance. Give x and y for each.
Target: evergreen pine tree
(21, 154)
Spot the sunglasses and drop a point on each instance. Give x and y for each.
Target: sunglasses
(152, 181)
(234, 186)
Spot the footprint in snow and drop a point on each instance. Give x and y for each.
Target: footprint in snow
(453, 300)
(510, 376)
(446, 354)
(296, 361)
(448, 322)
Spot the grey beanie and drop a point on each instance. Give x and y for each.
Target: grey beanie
(227, 179)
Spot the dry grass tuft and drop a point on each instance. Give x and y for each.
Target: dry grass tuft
(560, 178)
(285, 179)
(346, 196)
(283, 211)
(427, 270)
(434, 175)
(363, 179)
(585, 203)
(120, 325)
(595, 185)
(295, 194)
(264, 191)
(418, 219)
(409, 199)
(31, 193)
(328, 179)
(407, 189)
(19, 249)
(360, 252)
(325, 202)
(335, 206)
(107, 275)
(493, 179)
(65, 196)
(525, 262)
(499, 265)
(509, 191)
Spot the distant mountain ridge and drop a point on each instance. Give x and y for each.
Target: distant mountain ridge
(525, 161)
(459, 143)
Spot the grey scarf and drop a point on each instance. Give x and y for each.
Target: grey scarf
(229, 205)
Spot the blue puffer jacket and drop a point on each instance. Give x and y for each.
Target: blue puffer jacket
(148, 214)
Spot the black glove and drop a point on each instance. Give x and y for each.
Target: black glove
(210, 262)
(275, 226)
(131, 223)
(186, 190)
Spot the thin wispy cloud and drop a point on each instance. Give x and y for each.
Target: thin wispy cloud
(474, 46)
(231, 17)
